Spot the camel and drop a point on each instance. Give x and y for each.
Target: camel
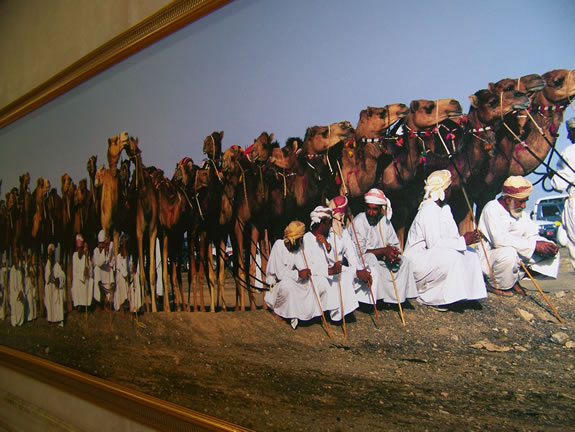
(319, 139)
(27, 203)
(547, 108)
(15, 221)
(66, 231)
(250, 198)
(260, 151)
(146, 215)
(362, 155)
(107, 179)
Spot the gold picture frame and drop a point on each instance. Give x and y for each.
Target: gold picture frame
(164, 22)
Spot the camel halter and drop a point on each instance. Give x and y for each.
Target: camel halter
(196, 195)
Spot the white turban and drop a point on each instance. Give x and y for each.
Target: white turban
(101, 236)
(517, 187)
(436, 184)
(319, 213)
(79, 240)
(377, 197)
(570, 123)
(51, 248)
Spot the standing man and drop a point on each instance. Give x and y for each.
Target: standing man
(378, 243)
(122, 284)
(54, 293)
(82, 282)
(291, 294)
(564, 180)
(16, 296)
(446, 269)
(513, 237)
(326, 263)
(104, 269)
(30, 287)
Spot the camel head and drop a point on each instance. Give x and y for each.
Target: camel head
(374, 121)
(213, 145)
(285, 158)
(493, 106)
(231, 160)
(131, 147)
(66, 184)
(201, 178)
(182, 174)
(91, 166)
(81, 192)
(12, 199)
(115, 146)
(424, 114)
(559, 85)
(527, 84)
(320, 138)
(99, 175)
(24, 181)
(262, 148)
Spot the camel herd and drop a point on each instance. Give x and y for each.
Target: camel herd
(247, 196)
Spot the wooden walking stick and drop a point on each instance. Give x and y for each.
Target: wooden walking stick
(364, 266)
(339, 284)
(491, 274)
(539, 289)
(316, 296)
(393, 280)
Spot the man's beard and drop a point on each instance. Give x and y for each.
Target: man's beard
(515, 210)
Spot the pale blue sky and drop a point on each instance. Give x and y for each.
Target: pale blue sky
(278, 66)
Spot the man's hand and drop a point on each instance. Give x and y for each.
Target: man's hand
(336, 269)
(364, 275)
(304, 274)
(321, 239)
(472, 237)
(391, 254)
(546, 248)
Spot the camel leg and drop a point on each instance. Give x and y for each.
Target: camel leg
(165, 273)
(241, 273)
(264, 253)
(152, 239)
(252, 266)
(192, 274)
(68, 268)
(143, 283)
(204, 246)
(211, 279)
(222, 273)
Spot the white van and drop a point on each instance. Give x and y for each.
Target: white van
(547, 213)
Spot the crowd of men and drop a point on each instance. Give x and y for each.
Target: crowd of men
(342, 260)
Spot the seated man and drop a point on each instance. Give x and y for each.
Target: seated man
(325, 253)
(379, 245)
(291, 294)
(446, 269)
(513, 237)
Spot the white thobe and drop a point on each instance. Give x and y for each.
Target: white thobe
(159, 269)
(82, 283)
(121, 293)
(30, 293)
(445, 269)
(374, 237)
(3, 291)
(16, 296)
(103, 271)
(341, 291)
(566, 183)
(289, 296)
(508, 242)
(54, 295)
(135, 290)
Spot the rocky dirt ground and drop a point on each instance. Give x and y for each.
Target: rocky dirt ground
(499, 364)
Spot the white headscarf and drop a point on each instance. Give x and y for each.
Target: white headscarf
(319, 213)
(436, 184)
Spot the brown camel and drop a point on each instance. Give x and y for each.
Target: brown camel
(361, 155)
(108, 181)
(146, 217)
(27, 204)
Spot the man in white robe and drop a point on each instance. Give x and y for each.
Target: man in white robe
(82, 282)
(54, 292)
(16, 292)
(104, 269)
(121, 293)
(321, 258)
(377, 241)
(30, 288)
(564, 180)
(292, 295)
(511, 238)
(446, 269)
(3, 287)
(135, 291)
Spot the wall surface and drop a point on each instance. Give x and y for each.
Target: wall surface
(39, 38)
